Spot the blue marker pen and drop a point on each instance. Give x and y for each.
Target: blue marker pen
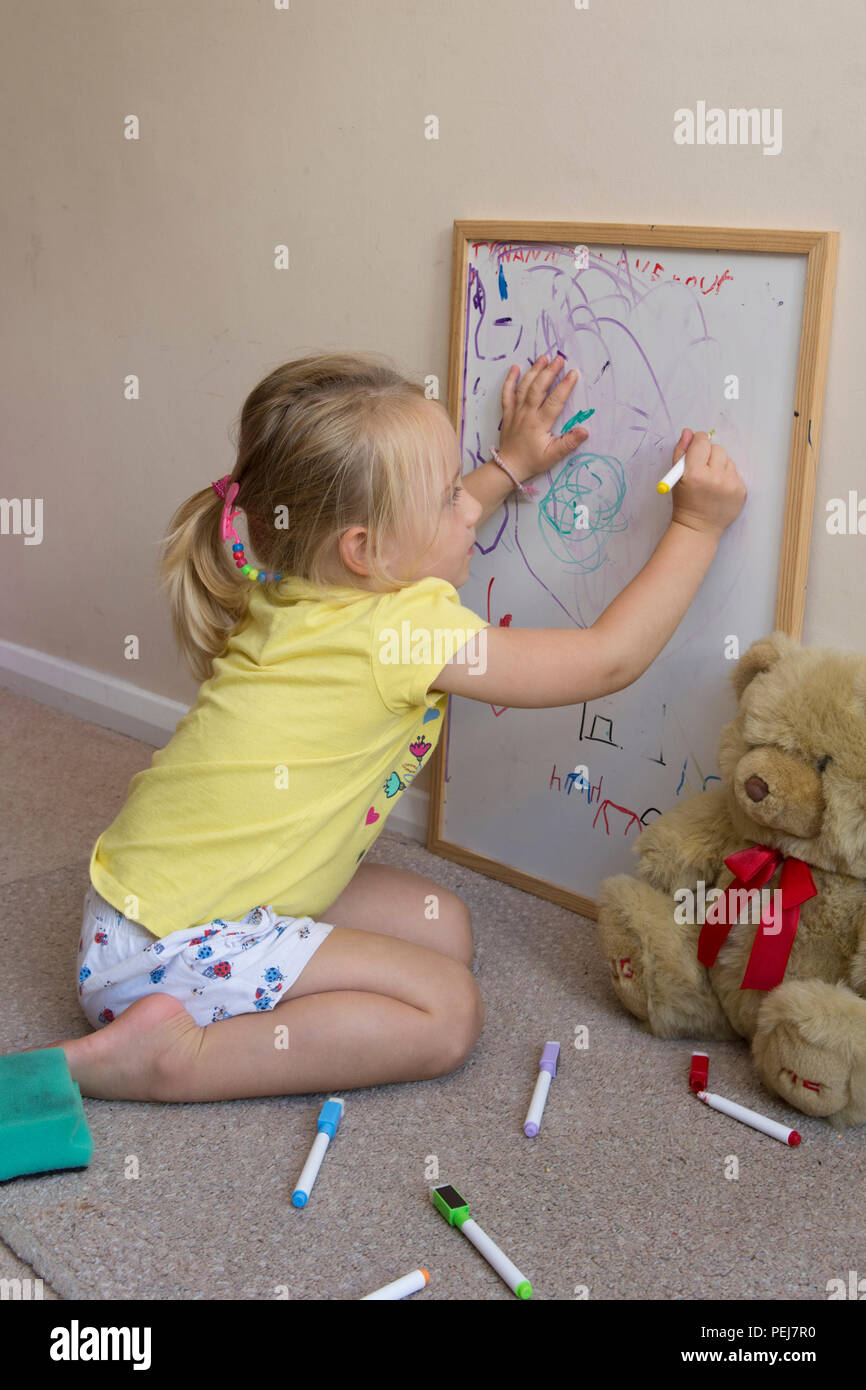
(329, 1117)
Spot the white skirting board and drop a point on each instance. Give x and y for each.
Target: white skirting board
(97, 698)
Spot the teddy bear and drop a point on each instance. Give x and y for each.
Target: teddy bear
(747, 914)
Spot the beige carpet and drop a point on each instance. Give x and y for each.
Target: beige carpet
(624, 1191)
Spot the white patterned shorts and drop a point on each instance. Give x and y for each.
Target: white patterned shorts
(217, 971)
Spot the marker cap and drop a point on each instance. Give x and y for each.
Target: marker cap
(329, 1116)
(700, 1071)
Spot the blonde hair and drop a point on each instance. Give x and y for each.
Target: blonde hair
(335, 439)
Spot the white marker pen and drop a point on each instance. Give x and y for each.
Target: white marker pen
(751, 1117)
(546, 1072)
(401, 1288)
(455, 1208)
(329, 1117)
(672, 476)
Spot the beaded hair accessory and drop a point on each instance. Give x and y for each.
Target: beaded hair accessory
(228, 491)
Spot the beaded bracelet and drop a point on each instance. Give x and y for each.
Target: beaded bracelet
(529, 491)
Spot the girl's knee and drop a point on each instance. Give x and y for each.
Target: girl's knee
(455, 922)
(459, 1022)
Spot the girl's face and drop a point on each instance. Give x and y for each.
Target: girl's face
(450, 554)
(456, 514)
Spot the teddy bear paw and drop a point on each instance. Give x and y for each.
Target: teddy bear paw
(622, 947)
(810, 1048)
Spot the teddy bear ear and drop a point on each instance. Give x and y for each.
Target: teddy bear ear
(761, 656)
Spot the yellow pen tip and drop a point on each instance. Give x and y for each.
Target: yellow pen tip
(663, 487)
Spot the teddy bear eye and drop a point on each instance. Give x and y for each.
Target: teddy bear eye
(822, 762)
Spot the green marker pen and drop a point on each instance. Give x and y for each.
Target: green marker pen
(455, 1209)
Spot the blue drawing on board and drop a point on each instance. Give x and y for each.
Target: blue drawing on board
(596, 483)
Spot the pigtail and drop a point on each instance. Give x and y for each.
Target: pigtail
(207, 596)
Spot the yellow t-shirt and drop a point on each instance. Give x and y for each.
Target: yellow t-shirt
(275, 784)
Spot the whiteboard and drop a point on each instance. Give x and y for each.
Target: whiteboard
(656, 335)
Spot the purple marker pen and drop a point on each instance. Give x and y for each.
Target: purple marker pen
(546, 1071)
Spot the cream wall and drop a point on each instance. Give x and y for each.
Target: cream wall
(305, 126)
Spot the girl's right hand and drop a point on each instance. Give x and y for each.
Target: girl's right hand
(711, 493)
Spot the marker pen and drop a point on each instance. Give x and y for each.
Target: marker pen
(546, 1072)
(751, 1117)
(401, 1288)
(455, 1209)
(329, 1117)
(674, 474)
(699, 1074)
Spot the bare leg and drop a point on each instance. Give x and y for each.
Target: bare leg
(398, 902)
(368, 1009)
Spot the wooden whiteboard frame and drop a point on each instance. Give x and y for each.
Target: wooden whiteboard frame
(822, 250)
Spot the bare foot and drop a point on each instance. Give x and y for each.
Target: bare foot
(126, 1059)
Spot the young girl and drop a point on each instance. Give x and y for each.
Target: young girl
(234, 943)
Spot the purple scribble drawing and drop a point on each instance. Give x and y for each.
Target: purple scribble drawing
(602, 319)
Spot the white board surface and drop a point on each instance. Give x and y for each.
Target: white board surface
(656, 335)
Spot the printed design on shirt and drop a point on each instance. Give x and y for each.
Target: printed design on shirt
(419, 750)
(394, 783)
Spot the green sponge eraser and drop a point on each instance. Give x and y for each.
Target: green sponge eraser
(42, 1120)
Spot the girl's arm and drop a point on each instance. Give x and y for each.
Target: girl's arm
(490, 485)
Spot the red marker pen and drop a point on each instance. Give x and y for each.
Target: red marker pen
(700, 1072)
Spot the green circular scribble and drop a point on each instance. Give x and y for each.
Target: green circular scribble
(594, 481)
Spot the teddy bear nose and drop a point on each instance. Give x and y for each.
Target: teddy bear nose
(756, 789)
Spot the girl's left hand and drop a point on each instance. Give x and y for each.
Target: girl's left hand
(529, 412)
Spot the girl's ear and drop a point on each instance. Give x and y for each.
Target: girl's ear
(352, 547)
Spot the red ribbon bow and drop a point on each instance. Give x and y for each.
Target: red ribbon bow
(772, 944)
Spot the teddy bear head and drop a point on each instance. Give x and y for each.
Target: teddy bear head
(793, 760)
